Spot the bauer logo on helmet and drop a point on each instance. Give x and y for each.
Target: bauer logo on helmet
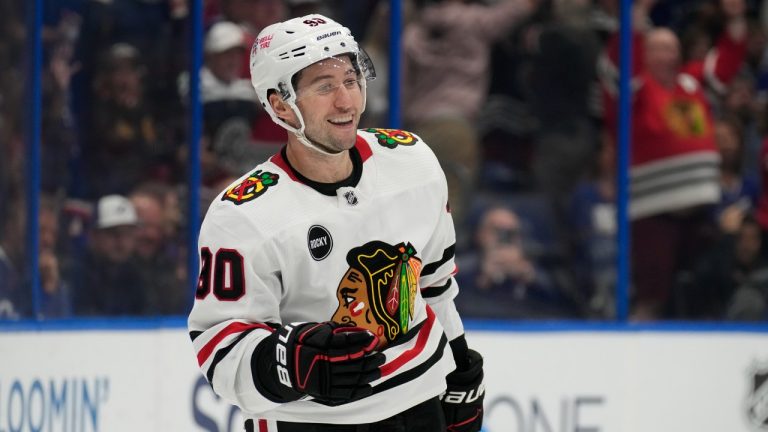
(327, 35)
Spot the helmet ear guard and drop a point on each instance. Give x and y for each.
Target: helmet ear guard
(283, 49)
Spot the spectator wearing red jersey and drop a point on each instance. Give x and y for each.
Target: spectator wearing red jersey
(674, 160)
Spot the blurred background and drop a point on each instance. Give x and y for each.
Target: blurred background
(111, 152)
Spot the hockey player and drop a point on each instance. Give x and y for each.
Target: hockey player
(325, 297)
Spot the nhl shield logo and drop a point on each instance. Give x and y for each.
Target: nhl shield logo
(757, 397)
(351, 198)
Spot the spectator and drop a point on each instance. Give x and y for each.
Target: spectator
(59, 139)
(498, 279)
(359, 15)
(230, 106)
(446, 72)
(731, 279)
(12, 61)
(112, 282)
(158, 254)
(674, 169)
(762, 201)
(157, 29)
(376, 45)
(14, 299)
(736, 189)
(749, 301)
(455, 145)
(125, 143)
(741, 105)
(446, 53)
(56, 300)
(15, 294)
(538, 129)
(563, 50)
(593, 222)
(252, 16)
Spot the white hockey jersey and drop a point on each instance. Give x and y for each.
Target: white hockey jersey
(376, 251)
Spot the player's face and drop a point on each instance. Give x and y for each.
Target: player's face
(354, 305)
(330, 98)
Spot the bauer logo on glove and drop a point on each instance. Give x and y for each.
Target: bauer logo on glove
(463, 399)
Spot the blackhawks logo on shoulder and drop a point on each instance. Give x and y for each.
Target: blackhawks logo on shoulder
(391, 138)
(251, 188)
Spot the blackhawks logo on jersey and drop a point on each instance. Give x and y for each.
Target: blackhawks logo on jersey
(379, 289)
(393, 137)
(252, 187)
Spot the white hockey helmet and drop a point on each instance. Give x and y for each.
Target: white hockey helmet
(283, 49)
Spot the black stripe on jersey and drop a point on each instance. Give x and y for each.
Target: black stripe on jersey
(220, 354)
(414, 373)
(404, 377)
(436, 291)
(432, 267)
(194, 334)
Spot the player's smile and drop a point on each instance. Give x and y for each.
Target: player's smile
(344, 122)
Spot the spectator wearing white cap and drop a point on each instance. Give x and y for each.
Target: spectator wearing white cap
(111, 284)
(230, 108)
(224, 47)
(159, 252)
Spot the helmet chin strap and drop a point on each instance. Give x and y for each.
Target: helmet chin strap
(300, 135)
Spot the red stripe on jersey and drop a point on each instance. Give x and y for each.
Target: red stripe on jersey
(263, 426)
(408, 355)
(235, 327)
(363, 148)
(278, 160)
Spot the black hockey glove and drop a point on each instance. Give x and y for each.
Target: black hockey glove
(463, 399)
(325, 360)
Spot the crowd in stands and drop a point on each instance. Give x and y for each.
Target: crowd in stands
(517, 98)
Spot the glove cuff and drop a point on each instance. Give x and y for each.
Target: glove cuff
(472, 373)
(464, 395)
(264, 364)
(459, 348)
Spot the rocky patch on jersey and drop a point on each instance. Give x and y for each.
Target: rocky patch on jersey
(391, 138)
(251, 188)
(378, 290)
(319, 242)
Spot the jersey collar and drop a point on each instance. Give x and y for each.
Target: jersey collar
(359, 154)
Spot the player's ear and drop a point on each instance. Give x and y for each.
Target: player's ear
(282, 109)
